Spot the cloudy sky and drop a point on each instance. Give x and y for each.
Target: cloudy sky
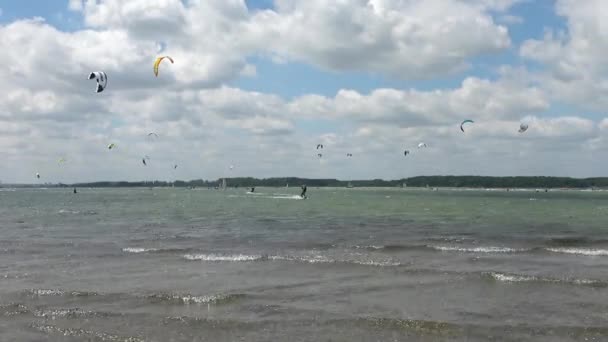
(259, 83)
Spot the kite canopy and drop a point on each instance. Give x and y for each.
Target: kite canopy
(101, 78)
(319, 146)
(157, 63)
(320, 155)
(522, 128)
(349, 154)
(174, 166)
(465, 121)
(421, 145)
(406, 152)
(61, 160)
(111, 146)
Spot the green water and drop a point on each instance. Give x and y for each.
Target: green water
(343, 265)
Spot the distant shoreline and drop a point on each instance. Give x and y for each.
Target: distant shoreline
(443, 182)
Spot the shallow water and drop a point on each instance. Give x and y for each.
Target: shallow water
(343, 265)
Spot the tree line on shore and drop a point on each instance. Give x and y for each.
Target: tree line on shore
(420, 181)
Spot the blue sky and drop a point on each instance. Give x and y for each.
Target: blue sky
(537, 17)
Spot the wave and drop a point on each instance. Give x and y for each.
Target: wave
(580, 251)
(77, 212)
(153, 298)
(318, 259)
(464, 249)
(218, 257)
(82, 333)
(138, 250)
(481, 249)
(511, 250)
(13, 309)
(65, 211)
(292, 197)
(191, 299)
(393, 248)
(520, 278)
(315, 259)
(72, 313)
(55, 292)
(371, 324)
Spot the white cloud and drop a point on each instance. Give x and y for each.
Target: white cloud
(395, 37)
(476, 99)
(48, 107)
(398, 38)
(75, 5)
(574, 60)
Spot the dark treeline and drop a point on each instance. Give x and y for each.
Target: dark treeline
(421, 181)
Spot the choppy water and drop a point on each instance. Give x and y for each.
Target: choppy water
(344, 265)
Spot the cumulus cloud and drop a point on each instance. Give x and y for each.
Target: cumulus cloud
(574, 60)
(475, 98)
(49, 110)
(394, 37)
(400, 38)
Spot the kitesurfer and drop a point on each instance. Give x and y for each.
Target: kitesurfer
(303, 194)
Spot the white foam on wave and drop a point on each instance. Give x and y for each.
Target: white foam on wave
(369, 247)
(189, 299)
(66, 211)
(377, 263)
(56, 292)
(580, 251)
(512, 278)
(488, 249)
(59, 313)
(219, 257)
(47, 292)
(319, 259)
(313, 259)
(292, 197)
(138, 250)
(518, 278)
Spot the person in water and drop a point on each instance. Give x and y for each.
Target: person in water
(303, 194)
(253, 189)
(75, 191)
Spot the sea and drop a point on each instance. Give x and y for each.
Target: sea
(359, 264)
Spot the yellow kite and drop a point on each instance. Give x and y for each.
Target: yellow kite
(157, 63)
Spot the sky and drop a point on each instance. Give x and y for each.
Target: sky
(257, 84)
